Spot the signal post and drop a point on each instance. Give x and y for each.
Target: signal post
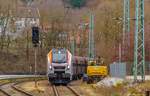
(35, 41)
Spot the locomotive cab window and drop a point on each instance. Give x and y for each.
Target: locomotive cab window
(59, 56)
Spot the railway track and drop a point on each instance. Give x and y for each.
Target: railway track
(20, 90)
(10, 88)
(57, 93)
(1, 90)
(73, 91)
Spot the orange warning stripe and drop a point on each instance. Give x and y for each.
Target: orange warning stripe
(50, 56)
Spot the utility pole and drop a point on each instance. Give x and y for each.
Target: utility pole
(126, 17)
(139, 49)
(73, 43)
(73, 46)
(126, 29)
(35, 65)
(91, 37)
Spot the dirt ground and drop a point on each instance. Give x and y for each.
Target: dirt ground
(126, 89)
(44, 89)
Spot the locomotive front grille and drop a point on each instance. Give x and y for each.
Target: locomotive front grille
(59, 67)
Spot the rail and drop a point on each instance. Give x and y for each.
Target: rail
(73, 91)
(55, 90)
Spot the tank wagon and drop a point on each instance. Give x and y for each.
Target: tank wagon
(62, 67)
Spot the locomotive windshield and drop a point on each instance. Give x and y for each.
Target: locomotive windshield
(59, 56)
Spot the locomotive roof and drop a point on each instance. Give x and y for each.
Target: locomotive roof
(79, 57)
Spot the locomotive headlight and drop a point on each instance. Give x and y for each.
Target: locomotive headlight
(50, 67)
(68, 67)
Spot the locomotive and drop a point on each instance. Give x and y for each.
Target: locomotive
(62, 67)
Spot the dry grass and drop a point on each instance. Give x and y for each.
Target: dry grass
(125, 90)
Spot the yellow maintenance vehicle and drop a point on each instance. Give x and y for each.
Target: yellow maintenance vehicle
(96, 71)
